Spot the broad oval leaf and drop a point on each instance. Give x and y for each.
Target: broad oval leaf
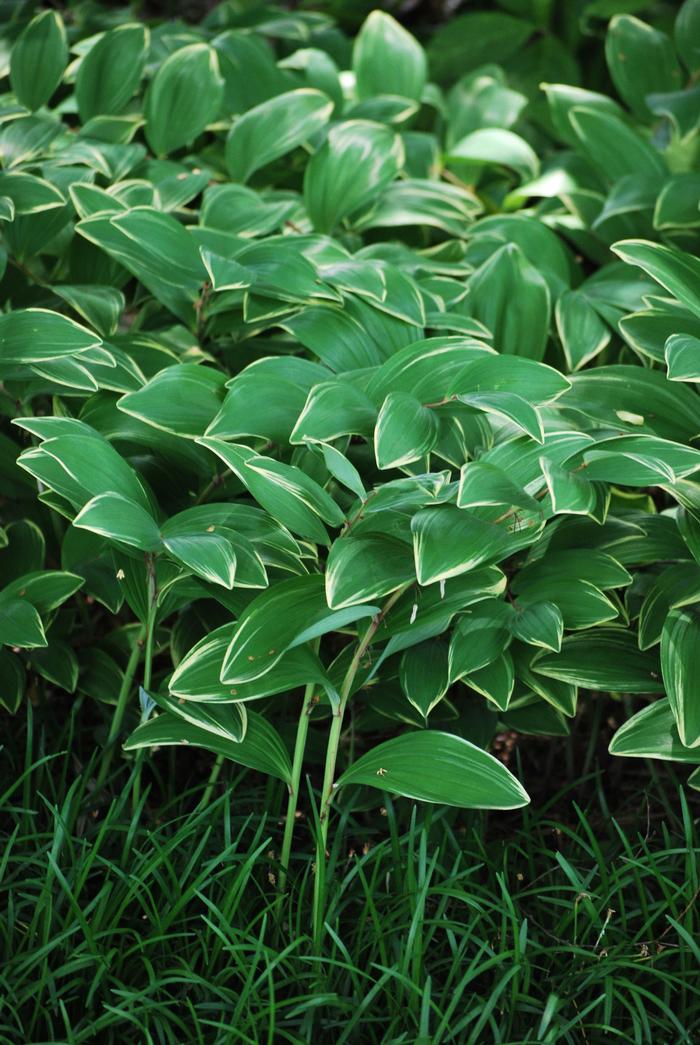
(274, 128)
(405, 431)
(111, 71)
(38, 59)
(653, 733)
(280, 618)
(431, 766)
(386, 59)
(261, 748)
(357, 161)
(182, 399)
(183, 97)
(366, 568)
(680, 650)
(609, 659)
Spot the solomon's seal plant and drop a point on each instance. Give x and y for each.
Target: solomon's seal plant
(350, 393)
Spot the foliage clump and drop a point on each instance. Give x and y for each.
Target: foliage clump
(351, 376)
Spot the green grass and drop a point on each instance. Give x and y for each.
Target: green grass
(572, 923)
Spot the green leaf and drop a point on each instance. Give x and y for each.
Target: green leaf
(183, 97)
(114, 516)
(432, 766)
(682, 353)
(608, 659)
(687, 35)
(405, 431)
(582, 332)
(506, 277)
(642, 61)
(225, 273)
(448, 541)
(13, 678)
(503, 148)
(680, 647)
(261, 748)
(334, 409)
(45, 589)
(569, 493)
(386, 59)
(274, 128)
(33, 335)
(91, 464)
(614, 148)
(424, 675)
(539, 624)
(100, 306)
(510, 406)
(285, 491)
(356, 162)
(282, 617)
(198, 675)
(155, 248)
(20, 624)
(227, 721)
(652, 733)
(479, 637)
(57, 663)
(182, 399)
(209, 555)
(365, 568)
(266, 399)
(473, 39)
(495, 681)
(634, 397)
(343, 470)
(482, 484)
(676, 270)
(427, 369)
(29, 194)
(111, 71)
(38, 59)
(677, 585)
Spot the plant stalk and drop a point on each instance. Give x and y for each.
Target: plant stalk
(211, 783)
(332, 757)
(293, 800)
(120, 709)
(147, 667)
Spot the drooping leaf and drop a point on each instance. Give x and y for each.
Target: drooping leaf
(181, 399)
(115, 516)
(387, 59)
(111, 71)
(652, 733)
(38, 60)
(448, 541)
(357, 161)
(274, 128)
(365, 568)
(607, 660)
(286, 615)
(261, 748)
(424, 675)
(405, 431)
(431, 766)
(183, 97)
(680, 647)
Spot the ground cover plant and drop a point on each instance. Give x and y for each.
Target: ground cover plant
(349, 417)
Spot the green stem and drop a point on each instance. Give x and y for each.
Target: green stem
(147, 666)
(120, 709)
(332, 757)
(211, 783)
(292, 802)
